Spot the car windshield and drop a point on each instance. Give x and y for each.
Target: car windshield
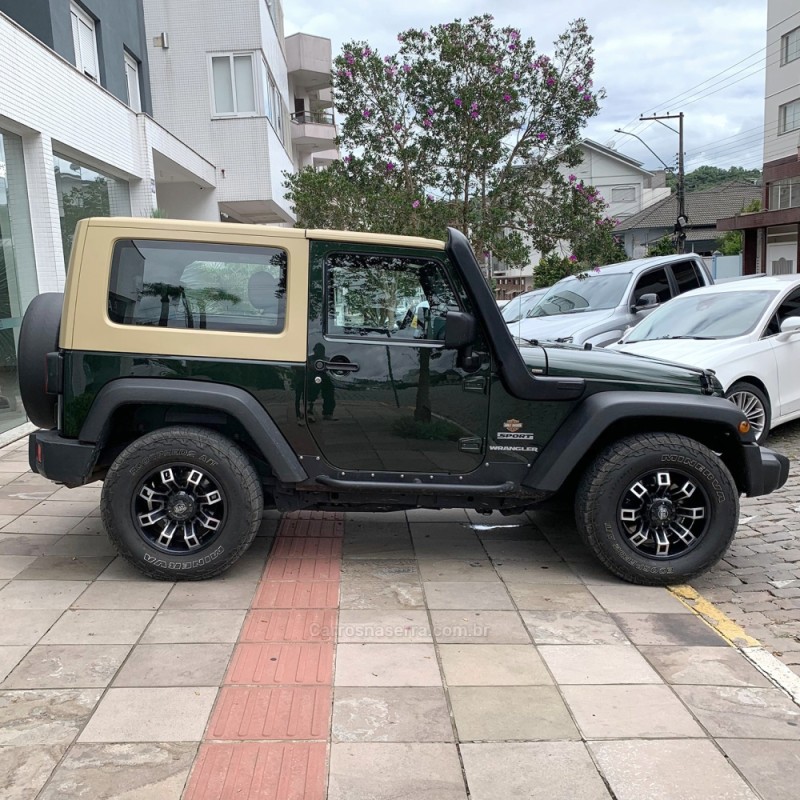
(707, 315)
(514, 310)
(586, 293)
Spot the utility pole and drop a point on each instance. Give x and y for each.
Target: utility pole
(682, 218)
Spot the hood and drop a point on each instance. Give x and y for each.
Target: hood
(624, 370)
(560, 326)
(705, 353)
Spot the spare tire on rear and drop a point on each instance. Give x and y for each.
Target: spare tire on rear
(38, 336)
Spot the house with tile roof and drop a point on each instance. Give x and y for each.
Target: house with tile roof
(703, 208)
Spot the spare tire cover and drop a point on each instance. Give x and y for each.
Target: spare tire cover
(38, 336)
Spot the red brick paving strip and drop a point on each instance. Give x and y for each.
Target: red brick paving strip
(267, 738)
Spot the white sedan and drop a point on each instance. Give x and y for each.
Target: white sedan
(747, 331)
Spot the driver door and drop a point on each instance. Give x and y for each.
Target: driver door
(382, 392)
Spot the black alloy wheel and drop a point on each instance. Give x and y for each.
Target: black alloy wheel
(664, 513)
(182, 503)
(179, 508)
(657, 508)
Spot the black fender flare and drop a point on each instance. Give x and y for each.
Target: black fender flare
(594, 415)
(231, 400)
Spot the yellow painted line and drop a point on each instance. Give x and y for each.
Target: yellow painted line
(719, 621)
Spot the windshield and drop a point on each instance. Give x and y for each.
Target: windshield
(705, 316)
(514, 310)
(587, 293)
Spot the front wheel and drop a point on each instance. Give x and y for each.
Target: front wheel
(657, 508)
(755, 406)
(182, 503)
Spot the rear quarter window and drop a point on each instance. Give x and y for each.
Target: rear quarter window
(686, 277)
(201, 286)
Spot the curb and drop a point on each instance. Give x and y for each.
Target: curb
(750, 648)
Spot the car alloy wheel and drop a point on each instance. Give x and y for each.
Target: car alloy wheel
(179, 508)
(664, 514)
(753, 408)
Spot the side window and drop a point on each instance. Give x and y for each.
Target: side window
(790, 307)
(386, 297)
(216, 287)
(654, 282)
(686, 277)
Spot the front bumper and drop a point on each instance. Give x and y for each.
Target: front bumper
(764, 470)
(66, 461)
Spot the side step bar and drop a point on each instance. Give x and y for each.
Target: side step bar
(415, 488)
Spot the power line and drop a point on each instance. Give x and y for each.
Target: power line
(686, 97)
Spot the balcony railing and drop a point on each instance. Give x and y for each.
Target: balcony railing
(313, 117)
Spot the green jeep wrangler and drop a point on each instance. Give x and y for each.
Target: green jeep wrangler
(204, 371)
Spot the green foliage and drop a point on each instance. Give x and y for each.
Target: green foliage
(551, 269)
(83, 200)
(665, 246)
(464, 125)
(707, 177)
(731, 243)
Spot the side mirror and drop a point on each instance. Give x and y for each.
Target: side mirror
(649, 300)
(789, 326)
(460, 330)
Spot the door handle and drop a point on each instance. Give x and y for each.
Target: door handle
(336, 366)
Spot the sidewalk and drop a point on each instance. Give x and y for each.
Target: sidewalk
(418, 655)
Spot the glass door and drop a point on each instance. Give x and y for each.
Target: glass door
(18, 282)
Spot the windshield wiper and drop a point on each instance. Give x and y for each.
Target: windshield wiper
(682, 337)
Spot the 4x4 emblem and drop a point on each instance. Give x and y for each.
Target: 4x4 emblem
(512, 425)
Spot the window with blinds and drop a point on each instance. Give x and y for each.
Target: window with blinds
(84, 39)
(790, 46)
(233, 84)
(789, 117)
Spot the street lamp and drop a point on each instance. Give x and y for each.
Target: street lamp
(627, 133)
(682, 218)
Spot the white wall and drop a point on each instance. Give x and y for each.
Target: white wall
(187, 201)
(52, 106)
(245, 150)
(782, 83)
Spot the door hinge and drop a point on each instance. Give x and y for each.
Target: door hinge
(471, 445)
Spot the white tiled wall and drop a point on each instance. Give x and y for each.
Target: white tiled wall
(248, 156)
(51, 105)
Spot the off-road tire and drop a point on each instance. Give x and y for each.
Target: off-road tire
(215, 455)
(616, 469)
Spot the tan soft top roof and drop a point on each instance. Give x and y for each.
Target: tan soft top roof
(228, 228)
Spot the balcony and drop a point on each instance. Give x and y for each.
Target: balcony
(308, 61)
(313, 130)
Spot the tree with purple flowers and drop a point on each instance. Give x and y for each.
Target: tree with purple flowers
(467, 125)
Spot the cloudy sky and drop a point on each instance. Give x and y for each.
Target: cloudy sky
(704, 58)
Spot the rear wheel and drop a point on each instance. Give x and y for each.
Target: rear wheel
(755, 405)
(657, 508)
(182, 503)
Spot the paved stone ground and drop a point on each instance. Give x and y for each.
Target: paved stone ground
(758, 583)
(427, 655)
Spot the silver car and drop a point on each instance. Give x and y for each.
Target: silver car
(597, 306)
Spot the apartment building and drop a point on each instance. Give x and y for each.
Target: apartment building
(75, 140)
(771, 238)
(226, 81)
(185, 108)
